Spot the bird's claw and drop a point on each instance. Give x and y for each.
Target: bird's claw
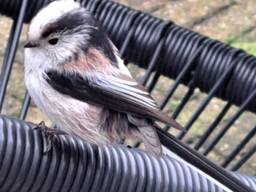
(49, 134)
(40, 126)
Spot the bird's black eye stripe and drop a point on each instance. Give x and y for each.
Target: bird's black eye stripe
(68, 21)
(53, 41)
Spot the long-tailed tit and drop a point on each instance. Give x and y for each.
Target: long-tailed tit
(75, 76)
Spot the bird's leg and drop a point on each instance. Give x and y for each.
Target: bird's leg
(53, 131)
(50, 135)
(40, 126)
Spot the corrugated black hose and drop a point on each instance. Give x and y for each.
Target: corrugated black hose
(74, 166)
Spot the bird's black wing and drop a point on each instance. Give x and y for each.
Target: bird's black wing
(122, 94)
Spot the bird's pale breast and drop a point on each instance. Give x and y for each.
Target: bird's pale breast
(73, 116)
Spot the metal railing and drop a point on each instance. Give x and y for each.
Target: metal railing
(165, 49)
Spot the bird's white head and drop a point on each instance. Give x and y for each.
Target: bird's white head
(60, 33)
(49, 15)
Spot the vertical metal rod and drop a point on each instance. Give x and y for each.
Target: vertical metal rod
(153, 62)
(218, 137)
(212, 127)
(153, 82)
(211, 94)
(241, 145)
(25, 106)
(13, 49)
(7, 51)
(126, 42)
(184, 71)
(244, 159)
(182, 104)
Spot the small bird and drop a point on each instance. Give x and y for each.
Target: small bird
(75, 76)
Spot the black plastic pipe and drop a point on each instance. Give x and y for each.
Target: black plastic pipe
(5, 74)
(179, 45)
(73, 165)
(146, 42)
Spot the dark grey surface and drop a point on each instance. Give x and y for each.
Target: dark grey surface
(74, 166)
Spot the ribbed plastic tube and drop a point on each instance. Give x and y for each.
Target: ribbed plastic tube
(178, 46)
(11, 8)
(75, 166)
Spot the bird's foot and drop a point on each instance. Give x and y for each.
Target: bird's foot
(50, 135)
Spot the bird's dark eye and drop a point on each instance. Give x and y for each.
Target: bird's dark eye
(53, 41)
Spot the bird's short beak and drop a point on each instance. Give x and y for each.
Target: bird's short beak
(29, 44)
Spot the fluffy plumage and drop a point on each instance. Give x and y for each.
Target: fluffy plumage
(75, 76)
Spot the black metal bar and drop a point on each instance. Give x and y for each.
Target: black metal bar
(241, 145)
(126, 42)
(188, 68)
(216, 139)
(153, 82)
(201, 162)
(212, 127)
(245, 158)
(153, 63)
(178, 80)
(7, 51)
(13, 49)
(25, 106)
(128, 37)
(181, 105)
(184, 100)
(211, 94)
(155, 59)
